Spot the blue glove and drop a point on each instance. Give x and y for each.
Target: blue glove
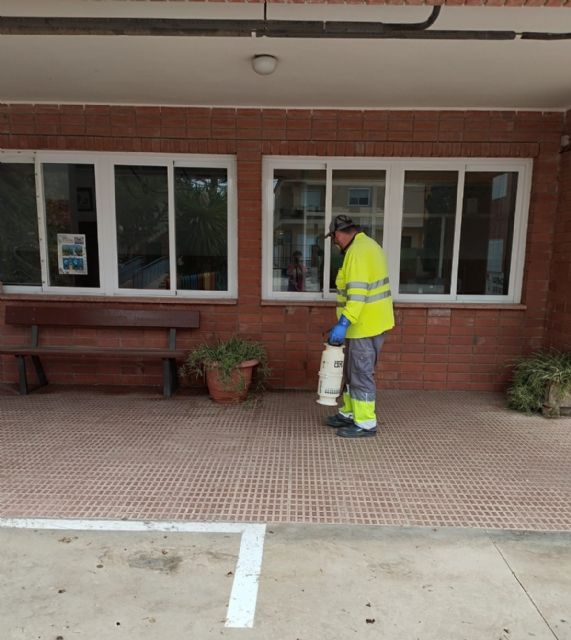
(337, 333)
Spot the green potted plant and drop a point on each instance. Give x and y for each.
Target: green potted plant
(228, 366)
(542, 382)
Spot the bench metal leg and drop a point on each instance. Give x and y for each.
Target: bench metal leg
(167, 378)
(40, 373)
(23, 379)
(174, 374)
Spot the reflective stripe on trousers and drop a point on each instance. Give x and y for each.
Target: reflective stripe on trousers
(361, 356)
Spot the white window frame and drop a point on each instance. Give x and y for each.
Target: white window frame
(104, 164)
(328, 165)
(395, 169)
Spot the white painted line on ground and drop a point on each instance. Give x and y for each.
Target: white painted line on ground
(242, 604)
(124, 525)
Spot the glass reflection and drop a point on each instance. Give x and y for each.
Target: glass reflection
(360, 194)
(488, 213)
(427, 240)
(71, 220)
(201, 205)
(19, 245)
(299, 214)
(141, 201)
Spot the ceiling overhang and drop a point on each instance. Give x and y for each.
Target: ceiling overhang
(338, 56)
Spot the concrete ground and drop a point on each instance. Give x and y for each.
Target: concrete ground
(123, 514)
(315, 582)
(444, 459)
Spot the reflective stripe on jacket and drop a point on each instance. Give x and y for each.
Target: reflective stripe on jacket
(363, 290)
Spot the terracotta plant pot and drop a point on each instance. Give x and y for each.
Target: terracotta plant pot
(556, 403)
(236, 388)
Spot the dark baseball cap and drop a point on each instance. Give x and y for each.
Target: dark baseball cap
(340, 222)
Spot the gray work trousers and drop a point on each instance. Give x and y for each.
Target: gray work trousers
(361, 357)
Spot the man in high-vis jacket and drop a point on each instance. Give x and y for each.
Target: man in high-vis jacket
(364, 315)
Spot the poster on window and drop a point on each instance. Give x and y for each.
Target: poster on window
(72, 258)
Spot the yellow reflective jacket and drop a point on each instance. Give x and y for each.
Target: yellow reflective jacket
(363, 291)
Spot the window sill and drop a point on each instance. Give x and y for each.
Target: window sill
(511, 306)
(403, 305)
(461, 305)
(103, 299)
(298, 303)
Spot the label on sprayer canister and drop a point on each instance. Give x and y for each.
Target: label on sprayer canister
(330, 375)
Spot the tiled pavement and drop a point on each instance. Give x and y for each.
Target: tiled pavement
(442, 459)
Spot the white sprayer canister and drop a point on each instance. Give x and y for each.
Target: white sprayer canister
(330, 375)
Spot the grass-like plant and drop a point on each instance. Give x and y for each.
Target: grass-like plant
(535, 376)
(226, 355)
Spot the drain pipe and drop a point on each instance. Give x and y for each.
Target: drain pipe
(257, 29)
(206, 27)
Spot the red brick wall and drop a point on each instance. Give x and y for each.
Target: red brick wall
(559, 325)
(433, 347)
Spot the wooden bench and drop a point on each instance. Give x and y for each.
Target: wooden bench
(82, 315)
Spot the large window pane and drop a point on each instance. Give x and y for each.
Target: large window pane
(201, 205)
(427, 240)
(71, 221)
(19, 246)
(488, 214)
(299, 215)
(360, 194)
(141, 201)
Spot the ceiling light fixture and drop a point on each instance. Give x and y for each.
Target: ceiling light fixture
(264, 64)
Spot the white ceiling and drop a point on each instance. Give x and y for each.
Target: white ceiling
(383, 73)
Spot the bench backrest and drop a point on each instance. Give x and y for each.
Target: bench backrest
(95, 316)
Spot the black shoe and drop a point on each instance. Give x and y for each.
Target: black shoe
(356, 432)
(337, 421)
